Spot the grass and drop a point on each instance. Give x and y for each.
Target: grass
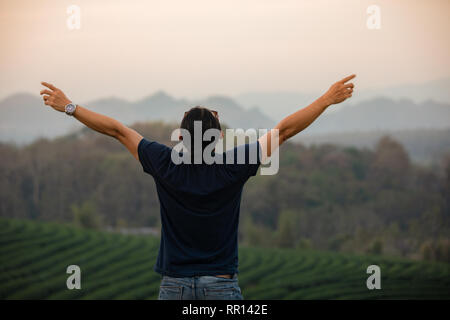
(34, 257)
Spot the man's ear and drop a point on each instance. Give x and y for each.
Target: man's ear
(221, 134)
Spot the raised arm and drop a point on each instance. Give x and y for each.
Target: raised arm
(56, 99)
(298, 121)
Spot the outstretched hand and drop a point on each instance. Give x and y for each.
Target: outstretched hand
(54, 97)
(340, 91)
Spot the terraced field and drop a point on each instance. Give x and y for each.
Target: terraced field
(34, 257)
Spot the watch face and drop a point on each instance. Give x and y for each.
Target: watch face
(70, 108)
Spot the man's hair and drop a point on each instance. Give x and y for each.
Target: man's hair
(208, 119)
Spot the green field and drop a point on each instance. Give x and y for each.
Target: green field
(34, 257)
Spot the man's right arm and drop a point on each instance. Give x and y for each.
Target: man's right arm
(130, 138)
(55, 98)
(300, 120)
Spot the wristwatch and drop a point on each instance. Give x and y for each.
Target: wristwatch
(70, 109)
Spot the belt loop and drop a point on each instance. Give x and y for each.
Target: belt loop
(181, 293)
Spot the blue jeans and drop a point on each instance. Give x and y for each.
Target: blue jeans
(199, 288)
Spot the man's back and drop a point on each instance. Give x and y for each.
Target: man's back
(199, 210)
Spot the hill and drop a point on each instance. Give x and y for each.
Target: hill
(373, 114)
(278, 104)
(329, 197)
(34, 257)
(384, 114)
(423, 145)
(24, 118)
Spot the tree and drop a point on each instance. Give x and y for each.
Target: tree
(86, 215)
(255, 234)
(391, 164)
(286, 231)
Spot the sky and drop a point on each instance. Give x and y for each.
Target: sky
(192, 49)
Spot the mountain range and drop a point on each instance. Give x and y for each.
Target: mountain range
(277, 104)
(24, 117)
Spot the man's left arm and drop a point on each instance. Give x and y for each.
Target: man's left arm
(298, 121)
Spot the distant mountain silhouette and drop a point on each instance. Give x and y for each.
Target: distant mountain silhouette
(436, 90)
(379, 113)
(384, 114)
(24, 117)
(277, 104)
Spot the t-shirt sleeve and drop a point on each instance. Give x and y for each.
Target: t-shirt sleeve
(246, 161)
(153, 156)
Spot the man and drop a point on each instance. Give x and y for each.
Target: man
(200, 202)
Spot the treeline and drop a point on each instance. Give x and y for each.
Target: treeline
(323, 197)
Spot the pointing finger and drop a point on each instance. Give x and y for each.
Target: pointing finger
(348, 78)
(49, 85)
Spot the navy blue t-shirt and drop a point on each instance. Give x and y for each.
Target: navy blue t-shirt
(199, 207)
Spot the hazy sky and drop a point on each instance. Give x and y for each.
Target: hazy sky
(194, 48)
